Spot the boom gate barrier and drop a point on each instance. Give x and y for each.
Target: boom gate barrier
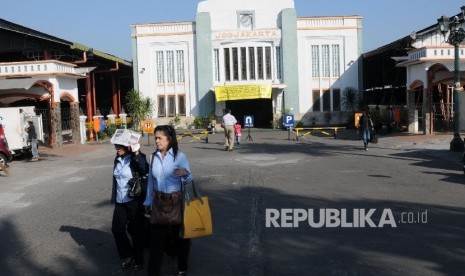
(323, 130)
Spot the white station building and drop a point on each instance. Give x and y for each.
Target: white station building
(255, 57)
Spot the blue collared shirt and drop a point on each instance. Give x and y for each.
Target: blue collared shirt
(122, 174)
(161, 174)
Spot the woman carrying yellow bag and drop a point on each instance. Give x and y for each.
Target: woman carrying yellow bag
(168, 169)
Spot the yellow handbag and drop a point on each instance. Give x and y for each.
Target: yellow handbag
(197, 221)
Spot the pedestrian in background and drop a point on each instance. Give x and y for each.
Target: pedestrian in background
(238, 132)
(128, 215)
(228, 121)
(366, 125)
(168, 170)
(32, 138)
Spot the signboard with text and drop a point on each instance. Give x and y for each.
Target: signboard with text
(242, 92)
(148, 126)
(288, 120)
(248, 121)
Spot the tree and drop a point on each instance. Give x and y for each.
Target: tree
(350, 99)
(139, 107)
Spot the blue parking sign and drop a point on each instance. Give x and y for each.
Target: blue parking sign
(288, 120)
(248, 120)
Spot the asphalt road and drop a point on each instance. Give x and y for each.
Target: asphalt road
(387, 211)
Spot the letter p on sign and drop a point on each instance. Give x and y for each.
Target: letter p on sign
(288, 120)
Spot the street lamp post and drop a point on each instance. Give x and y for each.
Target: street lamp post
(456, 36)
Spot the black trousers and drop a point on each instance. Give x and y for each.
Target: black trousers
(160, 235)
(128, 219)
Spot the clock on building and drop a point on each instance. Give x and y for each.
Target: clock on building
(246, 21)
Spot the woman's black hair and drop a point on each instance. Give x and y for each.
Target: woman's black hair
(170, 133)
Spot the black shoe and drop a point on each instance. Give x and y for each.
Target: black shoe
(182, 273)
(138, 267)
(126, 263)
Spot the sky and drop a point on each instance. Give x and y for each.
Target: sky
(105, 25)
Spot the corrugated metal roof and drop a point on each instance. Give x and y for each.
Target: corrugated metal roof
(13, 27)
(101, 54)
(10, 26)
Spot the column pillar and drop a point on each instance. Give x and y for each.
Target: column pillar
(427, 112)
(412, 113)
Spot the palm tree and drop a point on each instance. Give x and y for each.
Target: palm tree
(350, 102)
(139, 107)
(350, 99)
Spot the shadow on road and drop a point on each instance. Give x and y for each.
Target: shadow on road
(14, 256)
(242, 244)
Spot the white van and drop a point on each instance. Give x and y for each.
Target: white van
(14, 121)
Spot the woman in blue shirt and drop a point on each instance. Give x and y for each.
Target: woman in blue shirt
(168, 171)
(128, 214)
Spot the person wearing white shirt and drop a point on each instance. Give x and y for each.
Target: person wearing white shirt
(228, 121)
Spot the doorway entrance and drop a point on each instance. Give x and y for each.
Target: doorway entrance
(261, 109)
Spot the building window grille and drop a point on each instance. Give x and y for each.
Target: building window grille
(170, 66)
(336, 100)
(227, 68)
(160, 67)
(325, 60)
(252, 63)
(279, 69)
(235, 58)
(316, 100)
(161, 106)
(260, 62)
(243, 63)
(182, 105)
(268, 62)
(180, 65)
(216, 56)
(248, 63)
(336, 61)
(171, 106)
(326, 100)
(315, 61)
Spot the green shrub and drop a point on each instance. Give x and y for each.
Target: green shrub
(111, 129)
(202, 121)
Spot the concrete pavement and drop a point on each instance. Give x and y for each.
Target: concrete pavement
(436, 145)
(58, 219)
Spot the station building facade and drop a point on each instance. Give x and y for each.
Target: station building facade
(255, 57)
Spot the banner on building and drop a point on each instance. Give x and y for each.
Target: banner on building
(242, 92)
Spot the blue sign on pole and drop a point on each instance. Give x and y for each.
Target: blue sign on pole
(248, 120)
(288, 120)
(102, 124)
